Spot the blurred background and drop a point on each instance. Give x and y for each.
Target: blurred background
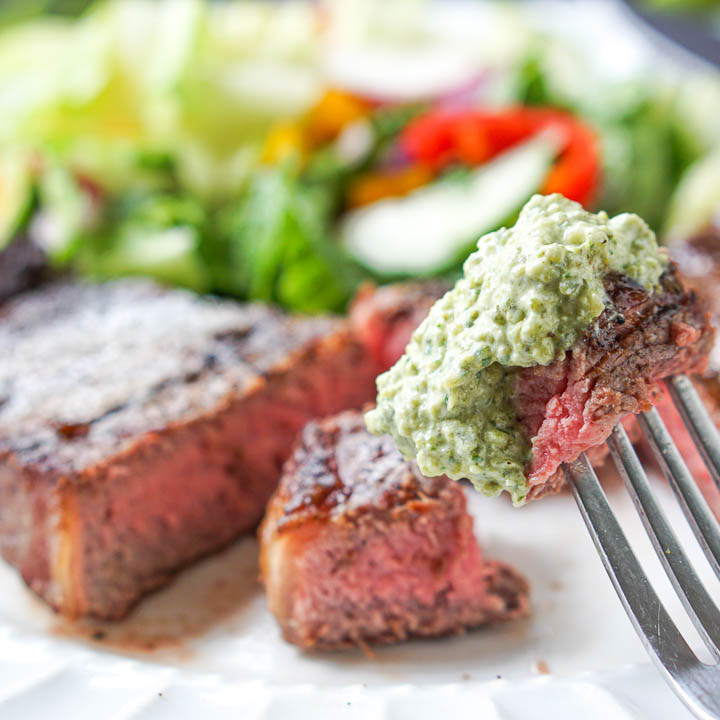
(289, 151)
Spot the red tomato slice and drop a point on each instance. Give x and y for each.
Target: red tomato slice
(472, 137)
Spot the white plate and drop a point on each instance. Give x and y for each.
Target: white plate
(218, 649)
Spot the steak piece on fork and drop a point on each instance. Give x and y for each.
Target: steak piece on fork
(698, 261)
(613, 370)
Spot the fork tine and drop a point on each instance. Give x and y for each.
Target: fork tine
(694, 683)
(651, 621)
(687, 584)
(697, 512)
(698, 422)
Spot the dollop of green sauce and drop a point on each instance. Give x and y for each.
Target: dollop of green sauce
(527, 294)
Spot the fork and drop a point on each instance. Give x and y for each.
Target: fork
(696, 683)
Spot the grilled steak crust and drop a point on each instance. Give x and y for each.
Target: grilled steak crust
(698, 261)
(573, 403)
(358, 547)
(385, 318)
(142, 428)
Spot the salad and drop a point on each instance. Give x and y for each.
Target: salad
(207, 145)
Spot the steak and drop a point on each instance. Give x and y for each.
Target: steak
(385, 318)
(698, 260)
(613, 370)
(708, 388)
(142, 428)
(358, 547)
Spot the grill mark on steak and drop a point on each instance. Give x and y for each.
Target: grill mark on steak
(70, 431)
(342, 470)
(147, 344)
(145, 428)
(698, 261)
(572, 404)
(649, 335)
(358, 547)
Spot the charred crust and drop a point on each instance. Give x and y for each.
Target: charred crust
(339, 471)
(131, 389)
(615, 367)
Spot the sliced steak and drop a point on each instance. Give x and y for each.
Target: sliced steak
(613, 370)
(384, 318)
(358, 547)
(142, 428)
(698, 260)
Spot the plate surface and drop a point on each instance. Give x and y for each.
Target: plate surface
(208, 642)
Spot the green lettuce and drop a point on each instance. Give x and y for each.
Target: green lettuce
(279, 245)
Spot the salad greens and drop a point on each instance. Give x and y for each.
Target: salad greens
(434, 227)
(645, 153)
(696, 202)
(270, 244)
(279, 248)
(16, 193)
(200, 81)
(158, 234)
(646, 145)
(134, 138)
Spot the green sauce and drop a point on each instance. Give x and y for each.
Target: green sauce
(527, 294)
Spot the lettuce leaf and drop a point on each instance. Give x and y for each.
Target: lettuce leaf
(280, 249)
(152, 233)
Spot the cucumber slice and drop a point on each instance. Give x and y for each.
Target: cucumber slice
(425, 231)
(695, 202)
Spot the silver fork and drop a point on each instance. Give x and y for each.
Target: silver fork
(696, 683)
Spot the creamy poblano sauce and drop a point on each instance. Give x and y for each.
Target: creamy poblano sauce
(526, 295)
